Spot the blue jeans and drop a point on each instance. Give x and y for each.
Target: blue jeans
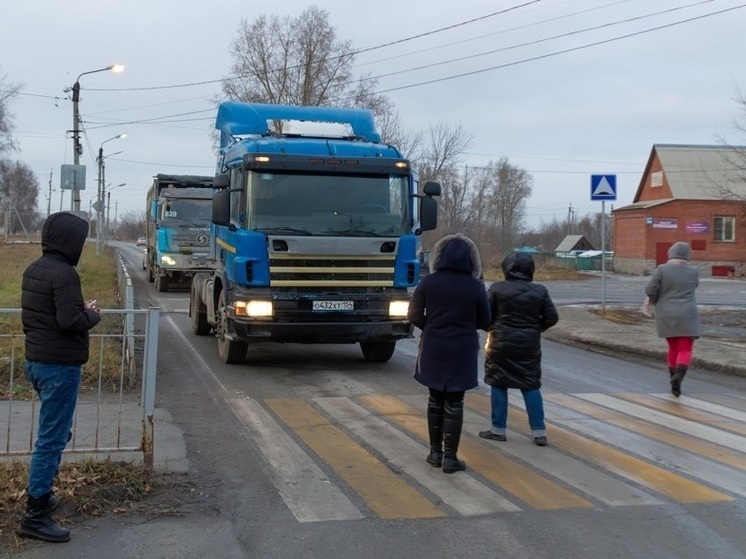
(534, 408)
(57, 387)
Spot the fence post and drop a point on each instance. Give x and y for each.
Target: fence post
(148, 385)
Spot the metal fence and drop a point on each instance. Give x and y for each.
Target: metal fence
(112, 417)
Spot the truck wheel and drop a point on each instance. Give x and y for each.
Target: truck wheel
(200, 326)
(230, 351)
(378, 352)
(161, 283)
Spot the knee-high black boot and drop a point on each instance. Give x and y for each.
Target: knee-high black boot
(37, 522)
(435, 431)
(676, 379)
(453, 420)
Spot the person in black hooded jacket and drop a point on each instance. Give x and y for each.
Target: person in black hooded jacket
(449, 305)
(56, 322)
(521, 311)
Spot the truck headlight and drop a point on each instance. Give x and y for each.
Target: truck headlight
(398, 308)
(253, 308)
(168, 260)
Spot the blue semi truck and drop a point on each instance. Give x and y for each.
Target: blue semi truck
(316, 226)
(179, 208)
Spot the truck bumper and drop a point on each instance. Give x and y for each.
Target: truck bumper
(322, 332)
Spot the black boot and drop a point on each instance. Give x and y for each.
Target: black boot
(453, 420)
(676, 378)
(435, 430)
(37, 522)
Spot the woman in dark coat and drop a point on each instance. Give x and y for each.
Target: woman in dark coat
(449, 306)
(521, 310)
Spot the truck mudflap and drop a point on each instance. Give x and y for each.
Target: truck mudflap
(322, 332)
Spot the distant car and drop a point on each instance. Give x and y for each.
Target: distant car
(141, 242)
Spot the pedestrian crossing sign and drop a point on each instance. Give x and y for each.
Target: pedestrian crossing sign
(603, 187)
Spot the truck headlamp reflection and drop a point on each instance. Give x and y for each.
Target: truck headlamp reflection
(253, 308)
(398, 308)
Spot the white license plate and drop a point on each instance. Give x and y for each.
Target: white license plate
(333, 306)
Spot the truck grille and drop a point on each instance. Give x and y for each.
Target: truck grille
(347, 271)
(191, 240)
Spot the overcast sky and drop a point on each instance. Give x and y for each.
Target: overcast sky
(562, 88)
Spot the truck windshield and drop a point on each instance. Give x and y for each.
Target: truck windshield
(329, 205)
(190, 210)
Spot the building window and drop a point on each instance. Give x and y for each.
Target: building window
(656, 178)
(725, 228)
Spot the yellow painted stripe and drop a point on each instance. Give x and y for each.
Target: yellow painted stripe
(385, 492)
(226, 246)
(329, 270)
(330, 283)
(691, 444)
(518, 480)
(681, 410)
(672, 485)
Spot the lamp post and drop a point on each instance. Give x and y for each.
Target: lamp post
(77, 147)
(108, 202)
(101, 193)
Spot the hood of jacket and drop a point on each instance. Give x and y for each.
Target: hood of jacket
(519, 265)
(456, 252)
(63, 235)
(680, 250)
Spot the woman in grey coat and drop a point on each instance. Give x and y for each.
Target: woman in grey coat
(672, 291)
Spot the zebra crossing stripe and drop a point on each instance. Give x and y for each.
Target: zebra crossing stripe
(304, 487)
(385, 492)
(653, 431)
(672, 485)
(692, 428)
(601, 486)
(464, 494)
(686, 409)
(518, 480)
(682, 462)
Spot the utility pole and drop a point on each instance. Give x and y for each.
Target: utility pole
(49, 195)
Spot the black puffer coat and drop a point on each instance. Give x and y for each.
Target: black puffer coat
(521, 311)
(449, 306)
(55, 320)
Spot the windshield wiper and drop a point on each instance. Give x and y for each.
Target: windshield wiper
(271, 230)
(353, 233)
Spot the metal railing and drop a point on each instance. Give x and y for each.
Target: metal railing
(112, 416)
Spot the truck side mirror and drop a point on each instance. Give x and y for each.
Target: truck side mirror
(221, 207)
(429, 207)
(221, 181)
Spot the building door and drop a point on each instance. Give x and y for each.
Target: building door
(661, 253)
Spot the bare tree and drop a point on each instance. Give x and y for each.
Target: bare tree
(19, 189)
(8, 90)
(130, 225)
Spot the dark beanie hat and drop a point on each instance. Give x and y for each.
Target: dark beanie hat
(680, 250)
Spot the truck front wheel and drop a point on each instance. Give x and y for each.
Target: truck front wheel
(200, 326)
(230, 351)
(161, 282)
(378, 352)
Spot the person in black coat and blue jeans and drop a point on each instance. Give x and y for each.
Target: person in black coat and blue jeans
(449, 306)
(56, 322)
(521, 310)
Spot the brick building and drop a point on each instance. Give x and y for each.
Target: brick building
(687, 193)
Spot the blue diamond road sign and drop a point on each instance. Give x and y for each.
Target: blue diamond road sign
(603, 187)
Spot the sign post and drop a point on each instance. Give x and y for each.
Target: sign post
(603, 187)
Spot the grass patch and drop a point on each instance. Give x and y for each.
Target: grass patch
(542, 273)
(621, 315)
(86, 489)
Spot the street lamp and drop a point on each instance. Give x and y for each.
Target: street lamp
(101, 192)
(77, 147)
(108, 202)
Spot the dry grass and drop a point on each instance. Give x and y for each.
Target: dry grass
(86, 489)
(542, 273)
(98, 280)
